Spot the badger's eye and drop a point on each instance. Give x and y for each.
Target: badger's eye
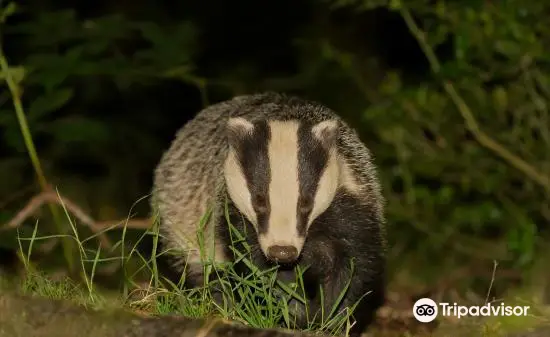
(259, 202)
(305, 205)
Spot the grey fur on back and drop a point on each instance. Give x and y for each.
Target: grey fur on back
(189, 175)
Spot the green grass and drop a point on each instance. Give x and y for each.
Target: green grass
(258, 303)
(258, 299)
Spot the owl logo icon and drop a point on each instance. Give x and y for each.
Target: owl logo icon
(425, 310)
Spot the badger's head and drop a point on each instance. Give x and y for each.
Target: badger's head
(281, 175)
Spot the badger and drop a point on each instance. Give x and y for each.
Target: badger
(293, 176)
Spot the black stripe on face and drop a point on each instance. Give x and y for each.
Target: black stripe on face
(252, 153)
(312, 160)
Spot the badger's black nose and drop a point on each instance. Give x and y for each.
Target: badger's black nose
(283, 254)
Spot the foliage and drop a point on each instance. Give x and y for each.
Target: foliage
(465, 153)
(65, 51)
(255, 298)
(463, 149)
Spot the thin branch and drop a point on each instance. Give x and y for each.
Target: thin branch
(128, 223)
(95, 226)
(471, 123)
(495, 264)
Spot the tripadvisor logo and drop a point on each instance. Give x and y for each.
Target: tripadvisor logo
(426, 310)
(485, 310)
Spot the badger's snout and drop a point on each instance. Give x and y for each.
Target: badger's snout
(282, 254)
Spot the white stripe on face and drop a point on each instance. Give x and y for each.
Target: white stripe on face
(325, 173)
(237, 187)
(283, 187)
(236, 181)
(326, 187)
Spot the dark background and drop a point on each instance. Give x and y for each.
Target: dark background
(108, 83)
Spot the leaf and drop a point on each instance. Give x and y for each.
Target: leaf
(50, 102)
(394, 5)
(422, 95)
(508, 48)
(50, 28)
(500, 99)
(391, 84)
(440, 9)
(7, 11)
(48, 70)
(17, 74)
(108, 28)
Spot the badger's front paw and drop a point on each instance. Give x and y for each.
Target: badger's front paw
(299, 316)
(221, 300)
(305, 314)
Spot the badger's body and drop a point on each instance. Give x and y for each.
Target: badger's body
(295, 177)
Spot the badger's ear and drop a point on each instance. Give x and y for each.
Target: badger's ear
(326, 132)
(237, 129)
